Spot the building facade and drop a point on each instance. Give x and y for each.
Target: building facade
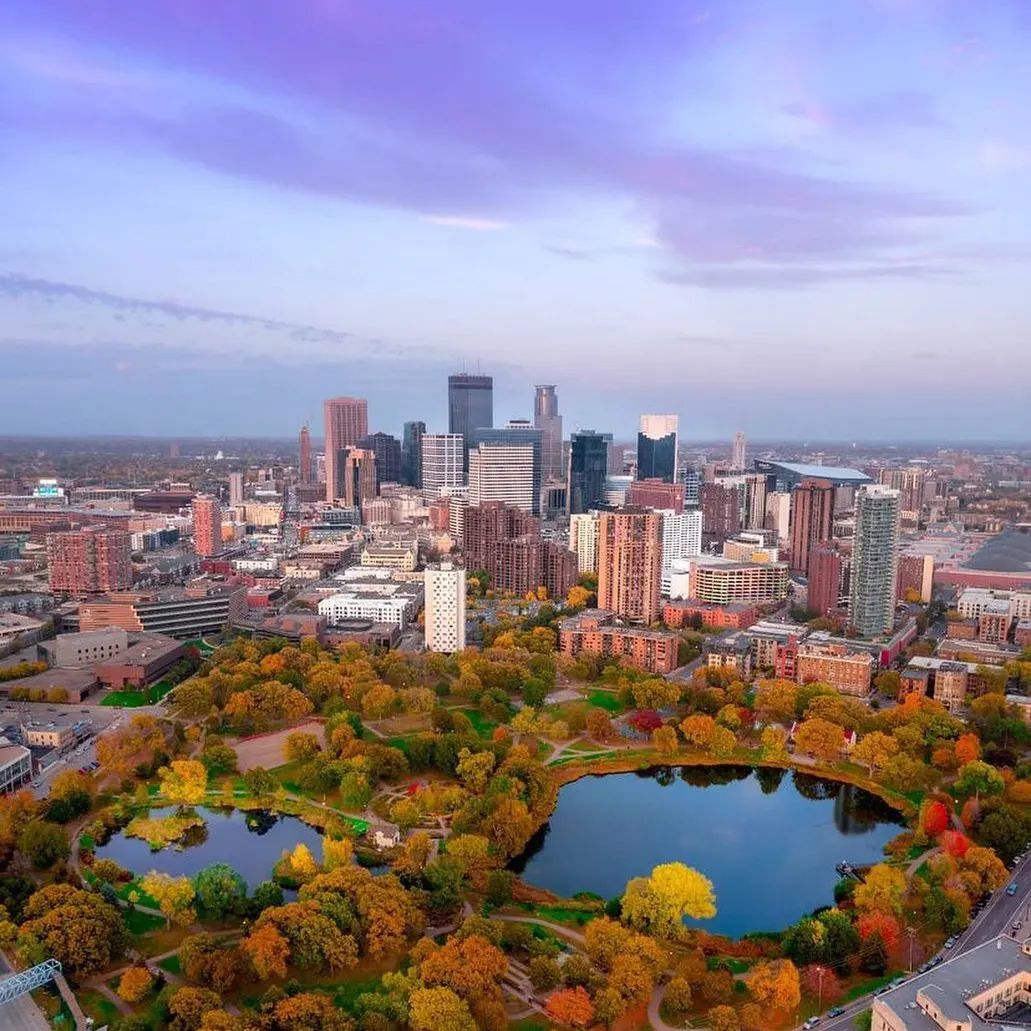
(346, 422)
(411, 453)
(630, 564)
(470, 404)
(812, 520)
(656, 494)
(594, 632)
(875, 555)
(583, 540)
(546, 418)
(184, 612)
(721, 512)
(681, 536)
(588, 470)
(443, 458)
(387, 449)
(89, 561)
(445, 607)
(848, 671)
(657, 448)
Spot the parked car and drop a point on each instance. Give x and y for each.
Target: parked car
(1012, 889)
(836, 1011)
(949, 942)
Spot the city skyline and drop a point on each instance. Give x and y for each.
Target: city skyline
(630, 207)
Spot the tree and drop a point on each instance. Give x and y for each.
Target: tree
(174, 896)
(934, 818)
(135, 984)
(968, 748)
(873, 955)
(308, 1011)
(268, 952)
(218, 758)
(773, 743)
(336, 852)
(698, 730)
(438, 1009)
(775, 701)
(888, 683)
(678, 996)
(821, 982)
(187, 1006)
(474, 769)
(819, 738)
(259, 781)
(660, 902)
(664, 740)
(220, 890)
(882, 889)
(982, 871)
(874, 750)
(300, 747)
(978, 778)
(298, 865)
(599, 725)
(722, 1018)
(544, 973)
(570, 1007)
(883, 924)
(499, 887)
(184, 781)
(43, 843)
(775, 985)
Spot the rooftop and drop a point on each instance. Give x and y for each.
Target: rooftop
(836, 473)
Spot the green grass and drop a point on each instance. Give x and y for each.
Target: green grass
(346, 995)
(564, 915)
(140, 923)
(126, 699)
(171, 964)
(483, 726)
(605, 700)
(865, 987)
(124, 889)
(98, 1006)
(86, 841)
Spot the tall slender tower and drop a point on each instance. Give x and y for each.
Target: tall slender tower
(445, 607)
(347, 421)
(630, 564)
(738, 454)
(812, 520)
(875, 560)
(657, 448)
(207, 526)
(411, 453)
(549, 422)
(588, 467)
(304, 461)
(470, 406)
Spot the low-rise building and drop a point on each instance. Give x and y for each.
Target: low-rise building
(14, 626)
(372, 594)
(736, 616)
(84, 649)
(847, 670)
(50, 736)
(15, 766)
(146, 660)
(1022, 633)
(993, 625)
(201, 607)
(292, 627)
(595, 632)
(714, 579)
(733, 652)
(391, 555)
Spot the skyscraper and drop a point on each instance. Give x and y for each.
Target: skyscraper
(445, 607)
(89, 561)
(825, 579)
(359, 472)
(207, 526)
(630, 564)
(411, 454)
(692, 480)
(737, 457)
(236, 489)
(304, 470)
(549, 422)
(387, 449)
(347, 421)
(681, 536)
(721, 512)
(520, 433)
(875, 558)
(503, 471)
(588, 469)
(755, 500)
(583, 540)
(470, 406)
(657, 448)
(442, 462)
(812, 520)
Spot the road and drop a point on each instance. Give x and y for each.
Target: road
(995, 919)
(21, 1014)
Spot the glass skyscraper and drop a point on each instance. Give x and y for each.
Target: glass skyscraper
(470, 406)
(657, 448)
(588, 469)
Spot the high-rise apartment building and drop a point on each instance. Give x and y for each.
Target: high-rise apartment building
(657, 448)
(812, 520)
(549, 422)
(755, 501)
(630, 564)
(470, 406)
(875, 557)
(583, 540)
(387, 449)
(304, 467)
(656, 494)
(721, 512)
(519, 433)
(588, 469)
(411, 453)
(443, 455)
(89, 561)
(359, 472)
(910, 483)
(778, 514)
(692, 481)
(826, 580)
(681, 536)
(503, 472)
(737, 454)
(235, 489)
(207, 526)
(445, 607)
(347, 421)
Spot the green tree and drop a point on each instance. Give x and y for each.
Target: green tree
(220, 890)
(43, 843)
(978, 778)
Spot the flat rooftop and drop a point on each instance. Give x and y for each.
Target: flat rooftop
(1009, 552)
(838, 474)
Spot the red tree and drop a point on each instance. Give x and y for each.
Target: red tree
(955, 843)
(934, 819)
(645, 720)
(571, 1007)
(884, 924)
(820, 982)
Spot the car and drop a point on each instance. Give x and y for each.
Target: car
(949, 942)
(36, 783)
(1015, 926)
(836, 1011)
(1012, 889)
(811, 1022)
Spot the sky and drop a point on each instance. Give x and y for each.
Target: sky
(804, 220)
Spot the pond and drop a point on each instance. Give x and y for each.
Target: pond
(250, 842)
(768, 839)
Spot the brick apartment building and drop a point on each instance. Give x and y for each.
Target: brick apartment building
(594, 632)
(93, 560)
(849, 672)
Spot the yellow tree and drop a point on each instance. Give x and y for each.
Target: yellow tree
(135, 984)
(475, 768)
(174, 896)
(438, 1009)
(659, 902)
(882, 890)
(775, 985)
(336, 852)
(698, 730)
(819, 738)
(875, 750)
(184, 782)
(773, 742)
(664, 740)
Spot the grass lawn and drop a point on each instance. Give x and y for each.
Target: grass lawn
(346, 995)
(871, 985)
(530, 1024)
(605, 700)
(124, 889)
(141, 923)
(171, 964)
(483, 726)
(98, 1006)
(133, 699)
(564, 915)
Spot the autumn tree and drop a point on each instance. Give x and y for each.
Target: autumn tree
(659, 902)
(188, 1005)
(570, 1007)
(968, 748)
(881, 923)
(135, 984)
(308, 1011)
(775, 701)
(268, 952)
(821, 982)
(174, 895)
(722, 1018)
(819, 738)
(882, 889)
(875, 750)
(300, 747)
(982, 871)
(438, 1009)
(220, 890)
(599, 725)
(934, 817)
(775, 985)
(773, 743)
(978, 778)
(44, 843)
(184, 781)
(664, 740)
(698, 730)
(474, 769)
(336, 852)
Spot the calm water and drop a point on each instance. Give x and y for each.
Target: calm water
(250, 842)
(768, 839)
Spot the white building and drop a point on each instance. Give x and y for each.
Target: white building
(778, 513)
(875, 561)
(501, 472)
(583, 539)
(976, 600)
(445, 607)
(15, 765)
(373, 594)
(443, 462)
(737, 457)
(681, 535)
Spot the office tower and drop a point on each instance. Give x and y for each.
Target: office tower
(347, 421)
(442, 457)
(825, 580)
(812, 520)
(681, 536)
(207, 526)
(520, 433)
(630, 564)
(411, 454)
(875, 557)
(657, 448)
(755, 501)
(583, 540)
(692, 480)
(588, 468)
(470, 406)
(235, 489)
(656, 494)
(778, 514)
(359, 472)
(721, 512)
(617, 459)
(89, 561)
(445, 607)
(304, 469)
(387, 449)
(502, 472)
(549, 422)
(737, 457)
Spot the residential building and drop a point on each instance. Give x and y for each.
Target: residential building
(502, 471)
(387, 449)
(909, 482)
(89, 561)
(755, 489)
(391, 555)
(546, 418)
(559, 569)
(411, 453)
(15, 766)
(875, 555)
(657, 494)
(470, 405)
(692, 481)
(731, 652)
(812, 519)
(847, 670)
(304, 466)
(236, 489)
(373, 595)
(993, 625)
(583, 540)
(630, 564)
(657, 448)
(588, 470)
(778, 514)
(443, 462)
(681, 536)
(594, 632)
(721, 512)
(737, 453)
(916, 578)
(719, 581)
(195, 610)
(750, 546)
(975, 600)
(445, 607)
(346, 422)
(207, 526)
(826, 595)
(690, 612)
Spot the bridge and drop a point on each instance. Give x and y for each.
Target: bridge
(18, 985)
(846, 870)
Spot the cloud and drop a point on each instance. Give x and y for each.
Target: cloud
(465, 222)
(796, 276)
(903, 109)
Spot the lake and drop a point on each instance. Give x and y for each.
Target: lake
(768, 839)
(250, 842)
